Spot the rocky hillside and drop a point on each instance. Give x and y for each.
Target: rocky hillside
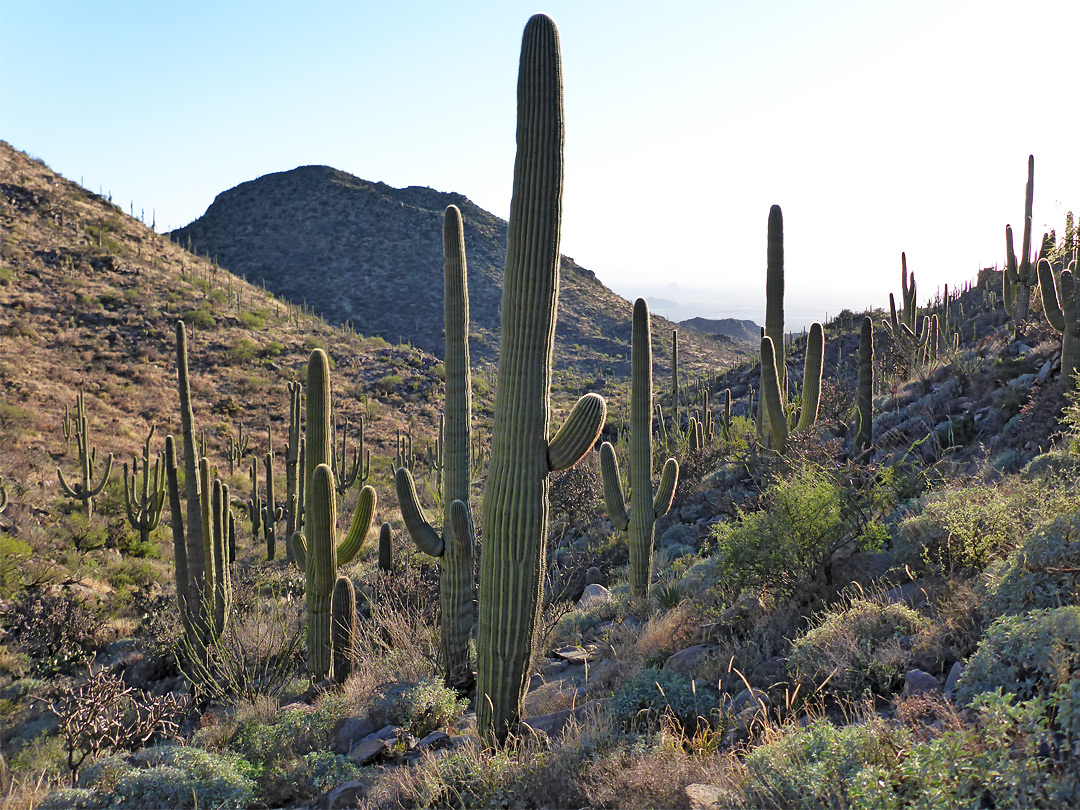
(371, 255)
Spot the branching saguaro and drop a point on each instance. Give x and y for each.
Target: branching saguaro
(515, 502)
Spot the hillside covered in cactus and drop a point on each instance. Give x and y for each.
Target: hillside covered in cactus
(367, 253)
(617, 568)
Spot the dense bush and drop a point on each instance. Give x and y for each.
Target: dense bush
(857, 648)
(1044, 572)
(805, 518)
(430, 706)
(1029, 655)
(1006, 758)
(652, 694)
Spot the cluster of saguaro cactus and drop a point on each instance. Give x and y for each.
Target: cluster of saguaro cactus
(1061, 304)
(144, 505)
(515, 503)
(316, 550)
(236, 449)
(773, 407)
(455, 546)
(201, 552)
(639, 521)
(1020, 278)
(85, 490)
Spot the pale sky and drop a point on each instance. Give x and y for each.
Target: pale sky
(877, 127)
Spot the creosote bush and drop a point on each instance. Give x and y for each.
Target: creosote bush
(856, 648)
(805, 518)
(1043, 572)
(649, 695)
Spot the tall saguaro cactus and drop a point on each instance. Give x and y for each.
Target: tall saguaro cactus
(639, 522)
(864, 438)
(294, 494)
(774, 330)
(455, 547)
(1061, 303)
(85, 490)
(515, 502)
(1020, 278)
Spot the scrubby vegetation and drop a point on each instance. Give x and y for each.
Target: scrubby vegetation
(867, 595)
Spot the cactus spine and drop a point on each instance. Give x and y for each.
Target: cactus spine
(515, 504)
(456, 545)
(646, 507)
(85, 490)
(342, 627)
(864, 438)
(1061, 303)
(1020, 278)
(144, 509)
(811, 392)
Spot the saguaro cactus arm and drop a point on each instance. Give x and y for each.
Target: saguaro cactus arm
(813, 367)
(614, 501)
(422, 532)
(665, 491)
(578, 433)
(770, 391)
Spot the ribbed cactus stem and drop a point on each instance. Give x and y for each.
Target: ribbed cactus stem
(386, 550)
(770, 392)
(812, 370)
(322, 566)
(255, 510)
(639, 521)
(515, 504)
(1020, 278)
(270, 511)
(342, 627)
(864, 437)
(293, 499)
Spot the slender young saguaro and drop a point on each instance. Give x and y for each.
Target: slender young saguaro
(639, 522)
(813, 367)
(515, 502)
(455, 548)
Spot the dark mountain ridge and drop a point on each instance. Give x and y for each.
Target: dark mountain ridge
(371, 254)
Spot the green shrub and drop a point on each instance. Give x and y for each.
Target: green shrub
(430, 706)
(252, 319)
(172, 776)
(294, 734)
(651, 694)
(388, 383)
(1044, 572)
(14, 555)
(1029, 655)
(1008, 757)
(805, 519)
(966, 527)
(857, 648)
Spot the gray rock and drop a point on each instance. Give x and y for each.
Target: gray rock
(679, 534)
(749, 699)
(918, 682)
(910, 593)
(348, 731)
(688, 661)
(434, 741)
(593, 596)
(593, 576)
(703, 797)
(344, 795)
(954, 676)
(575, 654)
(366, 752)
